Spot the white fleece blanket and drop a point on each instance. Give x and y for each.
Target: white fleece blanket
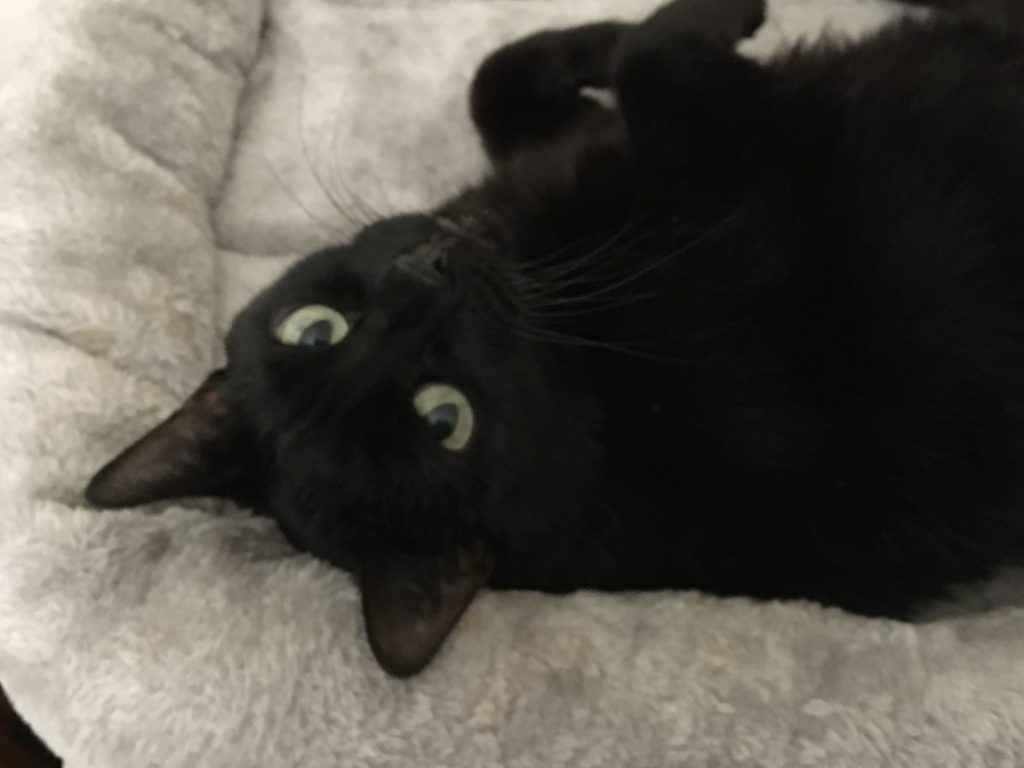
(153, 174)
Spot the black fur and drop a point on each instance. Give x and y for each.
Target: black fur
(758, 331)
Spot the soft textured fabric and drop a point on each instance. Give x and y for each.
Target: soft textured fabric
(152, 175)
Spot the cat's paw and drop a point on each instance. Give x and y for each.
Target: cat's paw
(534, 89)
(726, 21)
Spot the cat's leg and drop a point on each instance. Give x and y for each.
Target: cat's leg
(696, 112)
(534, 89)
(723, 21)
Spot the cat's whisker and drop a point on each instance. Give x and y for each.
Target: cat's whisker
(555, 259)
(293, 196)
(366, 211)
(557, 286)
(661, 262)
(543, 313)
(553, 265)
(551, 337)
(449, 225)
(330, 196)
(382, 194)
(587, 259)
(523, 327)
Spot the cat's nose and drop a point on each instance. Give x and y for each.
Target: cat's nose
(426, 266)
(416, 281)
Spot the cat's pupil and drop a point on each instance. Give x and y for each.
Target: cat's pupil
(317, 334)
(442, 420)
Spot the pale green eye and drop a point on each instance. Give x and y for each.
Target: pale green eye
(313, 326)
(448, 414)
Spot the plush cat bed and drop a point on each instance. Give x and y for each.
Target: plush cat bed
(160, 160)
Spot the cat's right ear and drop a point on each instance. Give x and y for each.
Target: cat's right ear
(199, 450)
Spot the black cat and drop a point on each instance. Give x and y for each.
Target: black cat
(758, 330)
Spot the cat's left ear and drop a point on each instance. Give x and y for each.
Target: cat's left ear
(412, 602)
(199, 450)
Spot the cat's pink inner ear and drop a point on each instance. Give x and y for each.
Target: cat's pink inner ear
(411, 603)
(187, 455)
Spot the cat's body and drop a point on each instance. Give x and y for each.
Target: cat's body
(847, 421)
(760, 331)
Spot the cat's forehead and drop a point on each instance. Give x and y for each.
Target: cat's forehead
(370, 254)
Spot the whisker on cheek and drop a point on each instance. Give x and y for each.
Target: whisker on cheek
(354, 224)
(293, 196)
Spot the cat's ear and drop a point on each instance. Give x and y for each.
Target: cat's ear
(412, 602)
(199, 450)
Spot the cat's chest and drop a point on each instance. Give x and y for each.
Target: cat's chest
(651, 411)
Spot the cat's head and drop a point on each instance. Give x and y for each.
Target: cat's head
(381, 403)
